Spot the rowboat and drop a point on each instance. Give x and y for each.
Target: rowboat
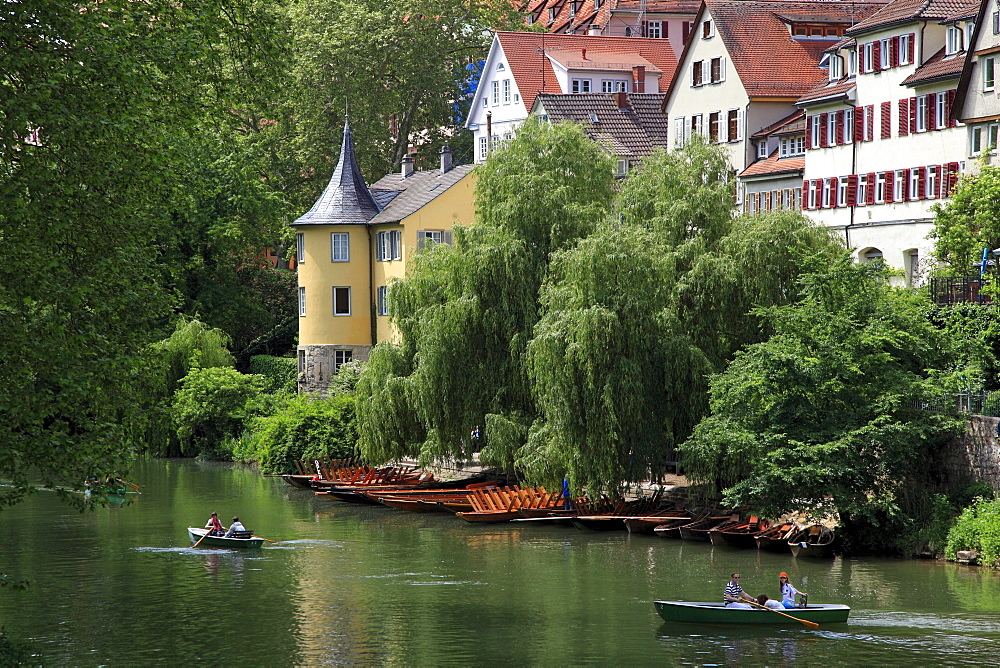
(698, 530)
(648, 523)
(741, 535)
(815, 541)
(300, 481)
(221, 541)
(671, 528)
(695, 612)
(775, 539)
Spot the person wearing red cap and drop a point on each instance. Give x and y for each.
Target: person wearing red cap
(788, 591)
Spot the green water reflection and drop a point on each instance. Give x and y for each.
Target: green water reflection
(361, 585)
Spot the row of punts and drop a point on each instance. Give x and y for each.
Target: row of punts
(481, 500)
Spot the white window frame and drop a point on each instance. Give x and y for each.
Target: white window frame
(496, 93)
(342, 290)
(580, 86)
(862, 197)
(903, 56)
(852, 62)
(914, 183)
(302, 300)
(953, 40)
(884, 53)
(484, 147)
(707, 29)
(842, 191)
(762, 149)
(897, 186)
(836, 68)
(831, 129)
(921, 113)
(381, 300)
(654, 29)
(932, 181)
(880, 188)
(976, 139)
(792, 146)
(722, 69)
(816, 134)
(698, 73)
(680, 131)
(388, 246)
(300, 247)
(939, 120)
(505, 94)
(989, 74)
(848, 125)
(340, 247)
(867, 57)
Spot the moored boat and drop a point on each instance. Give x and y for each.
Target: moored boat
(696, 612)
(698, 530)
(648, 523)
(671, 528)
(775, 539)
(815, 541)
(741, 535)
(243, 539)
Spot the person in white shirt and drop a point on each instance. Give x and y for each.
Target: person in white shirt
(788, 591)
(763, 600)
(234, 527)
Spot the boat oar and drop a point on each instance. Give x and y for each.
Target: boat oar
(812, 625)
(203, 537)
(267, 539)
(130, 484)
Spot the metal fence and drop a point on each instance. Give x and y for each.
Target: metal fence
(957, 289)
(980, 403)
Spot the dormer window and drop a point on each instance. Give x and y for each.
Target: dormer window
(762, 149)
(852, 63)
(707, 29)
(836, 68)
(953, 41)
(572, 10)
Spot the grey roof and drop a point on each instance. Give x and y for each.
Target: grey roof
(634, 132)
(346, 199)
(404, 197)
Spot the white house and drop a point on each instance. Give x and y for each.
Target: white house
(522, 65)
(774, 181)
(977, 102)
(881, 144)
(745, 65)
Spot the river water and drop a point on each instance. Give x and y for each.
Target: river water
(365, 585)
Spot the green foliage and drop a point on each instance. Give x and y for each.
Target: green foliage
(303, 427)
(968, 222)
(346, 379)
(822, 416)
(977, 528)
(279, 372)
(16, 653)
(210, 405)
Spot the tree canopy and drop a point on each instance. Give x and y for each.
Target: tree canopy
(968, 222)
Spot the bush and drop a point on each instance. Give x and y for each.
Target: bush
(279, 372)
(977, 528)
(211, 405)
(305, 427)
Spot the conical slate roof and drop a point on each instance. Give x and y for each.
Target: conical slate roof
(346, 199)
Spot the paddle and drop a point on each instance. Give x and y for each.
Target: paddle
(267, 539)
(126, 482)
(203, 537)
(812, 625)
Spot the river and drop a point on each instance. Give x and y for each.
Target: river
(365, 585)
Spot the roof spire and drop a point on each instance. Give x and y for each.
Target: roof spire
(346, 199)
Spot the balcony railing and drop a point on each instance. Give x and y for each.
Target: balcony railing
(957, 289)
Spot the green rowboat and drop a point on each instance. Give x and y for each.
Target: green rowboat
(718, 613)
(221, 541)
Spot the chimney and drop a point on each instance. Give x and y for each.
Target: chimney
(621, 99)
(407, 165)
(445, 159)
(639, 79)
(584, 54)
(594, 30)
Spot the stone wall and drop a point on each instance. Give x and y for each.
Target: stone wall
(317, 364)
(974, 457)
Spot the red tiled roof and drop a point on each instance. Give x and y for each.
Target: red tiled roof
(937, 67)
(769, 62)
(828, 89)
(794, 122)
(586, 16)
(772, 164)
(902, 11)
(532, 70)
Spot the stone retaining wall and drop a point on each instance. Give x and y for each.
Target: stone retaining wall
(974, 457)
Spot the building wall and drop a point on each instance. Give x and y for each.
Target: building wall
(507, 112)
(982, 104)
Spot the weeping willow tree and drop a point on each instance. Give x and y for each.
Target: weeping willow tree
(466, 312)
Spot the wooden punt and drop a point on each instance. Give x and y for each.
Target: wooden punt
(299, 481)
(698, 530)
(221, 541)
(775, 539)
(648, 523)
(671, 528)
(741, 535)
(717, 613)
(815, 542)
(504, 503)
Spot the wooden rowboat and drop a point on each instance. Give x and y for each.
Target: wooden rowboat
(815, 542)
(648, 523)
(717, 613)
(741, 535)
(220, 541)
(300, 481)
(698, 530)
(775, 539)
(671, 528)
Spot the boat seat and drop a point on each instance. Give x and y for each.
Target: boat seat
(242, 534)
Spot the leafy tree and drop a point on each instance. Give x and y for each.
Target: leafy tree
(212, 406)
(824, 416)
(978, 528)
(467, 311)
(968, 222)
(401, 64)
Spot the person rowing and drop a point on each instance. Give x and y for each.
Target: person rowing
(214, 526)
(734, 594)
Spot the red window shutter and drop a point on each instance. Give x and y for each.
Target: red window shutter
(859, 123)
(889, 185)
(870, 190)
(805, 194)
(921, 183)
(904, 117)
(953, 175)
(913, 115)
(886, 120)
(876, 56)
(894, 55)
(840, 128)
(949, 103)
(904, 191)
(831, 183)
(809, 132)
(870, 113)
(931, 111)
(822, 130)
(852, 190)
(909, 49)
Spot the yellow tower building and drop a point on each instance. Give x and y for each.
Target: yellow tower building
(354, 242)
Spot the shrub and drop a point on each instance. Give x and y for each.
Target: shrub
(304, 427)
(279, 372)
(977, 528)
(212, 404)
